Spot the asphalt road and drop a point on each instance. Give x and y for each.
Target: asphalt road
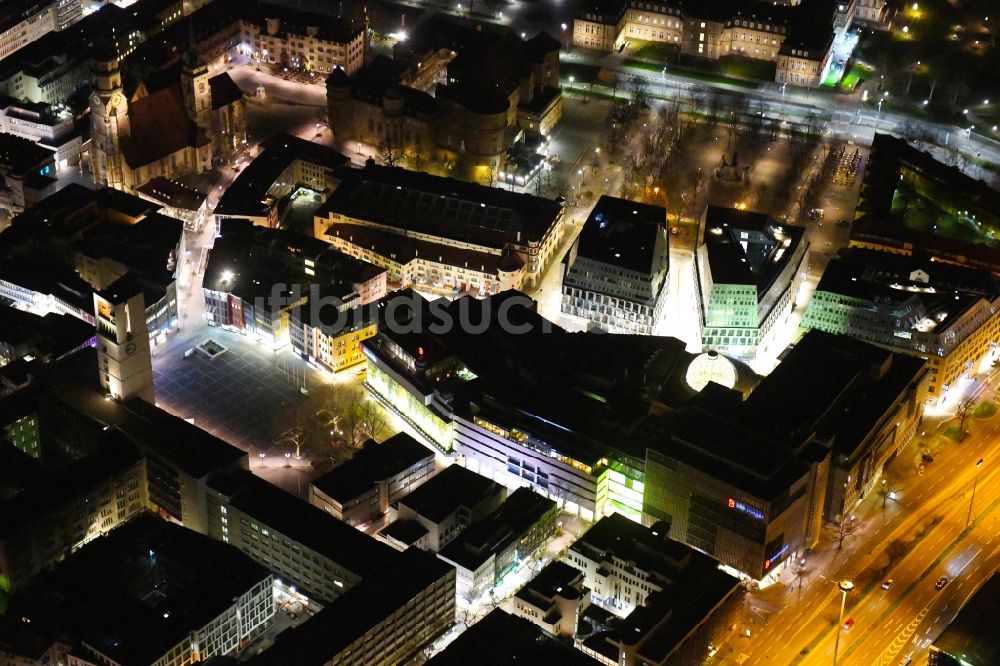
(847, 117)
(903, 620)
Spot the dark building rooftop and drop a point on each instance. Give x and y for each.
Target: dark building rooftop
(172, 193)
(373, 463)
(20, 157)
(502, 639)
(623, 233)
(421, 203)
(522, 509)
(555, 579)
(49, 337)
(971, 638)
(245, 196)
(355, 612)
(140, 590)
(114, 455)
(748, 248)
(692, 586)
(312, 527)
(453, 487)
(249, 260)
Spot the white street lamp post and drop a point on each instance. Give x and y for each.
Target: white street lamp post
(845, 587)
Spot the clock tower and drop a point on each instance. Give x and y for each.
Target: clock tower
(109, 122)
(123, 357)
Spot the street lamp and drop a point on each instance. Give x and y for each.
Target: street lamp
(845, 587)
(262, 456)
(975, 480)
(288, 462)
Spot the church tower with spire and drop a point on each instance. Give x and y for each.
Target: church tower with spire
(109, 122)
(194, 84)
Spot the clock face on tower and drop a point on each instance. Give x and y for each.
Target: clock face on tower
(130, 348)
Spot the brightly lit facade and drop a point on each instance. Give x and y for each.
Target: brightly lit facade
(618, 269)
(30, 20)
(946, 314)
(235, 518)
(752, 533)
(303, 40)
(752, 30)
(749, 268)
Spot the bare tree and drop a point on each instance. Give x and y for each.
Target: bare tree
(388, 151)
(344, 413)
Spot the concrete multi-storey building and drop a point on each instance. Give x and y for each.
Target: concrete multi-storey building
(617, 271)
(286, 165)
(664, 592)
(797, 37)
(174, 597)
(554, 599)
(517, 431)
(268, 283)
(385, 619)
(38, 122)
(748, 475)
(27, 173)
(490, 549)
(947, 314)
(80, 241)
(24, 21)
(87, 499)
(306, 548)
(748, 268)
(361, 490)
(434, 514)
(441, 234)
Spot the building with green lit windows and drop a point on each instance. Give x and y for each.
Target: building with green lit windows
(540, 408)
(749, 267)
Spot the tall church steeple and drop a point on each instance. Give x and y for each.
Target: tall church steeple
(194, 82)
(109, 121)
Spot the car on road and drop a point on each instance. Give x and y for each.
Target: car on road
(815, 213)
(887, 584)
(926, 457)
(942, 581)
(906, 661)
(848, 623)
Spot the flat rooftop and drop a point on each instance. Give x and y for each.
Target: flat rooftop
(352, 549)
(142, 589)
(748, 248)
(245, 196)
(860, 384)
(623, 233)
(501, 639)
(454, 486)
(359, 610)
(409, 201)
(692, 585)
(373, 463)
(522, 509)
